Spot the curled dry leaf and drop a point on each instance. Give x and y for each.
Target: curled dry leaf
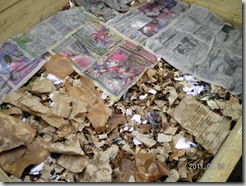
(182, 167)
(59, 66)
(151, 73)
(55, 121)
(147, 169)
(79, 109)
(73, 163)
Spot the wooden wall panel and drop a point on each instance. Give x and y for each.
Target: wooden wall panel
(23, 14)
(229, 10)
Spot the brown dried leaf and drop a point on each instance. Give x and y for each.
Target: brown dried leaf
(59, 66)
(173, 176)
(182, 167)
(73, 163)
(68, 147)
(148, 169)
(173, 95)
(98, 116)
(35, 154)
(13, 132)
(151, 73)
(66, 130)
(13, 111)
(171, 130)
(144, 128)
(231, 108)
(176, 153)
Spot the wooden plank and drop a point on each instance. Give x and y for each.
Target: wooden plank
(4, 177)
(226, 159)
(4, 4)
(19, 17)
(229, 10)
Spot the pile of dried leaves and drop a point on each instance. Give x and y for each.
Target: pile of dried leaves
(76, 133)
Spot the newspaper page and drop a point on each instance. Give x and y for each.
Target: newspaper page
(16, 67)
(98, 8)
(87, 44)
(201, 44)
(121, 68)
(145, 21)
(46, 33)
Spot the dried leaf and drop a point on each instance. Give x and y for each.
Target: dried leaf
(163, 138)
(231, 108)
(59, 66)
(182, 167)
(173, 95)
(173, 176)
(170, 130)
(148, 169)
(151, 73)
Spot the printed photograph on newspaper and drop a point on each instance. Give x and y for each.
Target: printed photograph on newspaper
(40, 37)
(121, 68)
(16, 66)
(87, 44)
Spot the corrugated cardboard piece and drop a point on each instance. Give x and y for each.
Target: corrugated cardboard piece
(209, 128)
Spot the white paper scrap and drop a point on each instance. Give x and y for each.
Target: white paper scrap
(152, 91)
(35, 170)
(55, 79)
(181, 144)
(137, 118)
(136, 141)
(142, 97)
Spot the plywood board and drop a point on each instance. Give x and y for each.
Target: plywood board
(24, 14)
(229, 10)
(227, 157)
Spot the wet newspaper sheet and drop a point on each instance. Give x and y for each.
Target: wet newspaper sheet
(103, 54)
(201, 44)
(16, 67)
(45, 34)
(145, 21)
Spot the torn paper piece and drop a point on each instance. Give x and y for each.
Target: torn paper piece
(173, 176)
(145, 122)
(68, 147)
(142, 97)
(98, 116)
(59, 66)
(136, 141)
(164, 138)
(42, 86)
(136, 118)
(34, 154)
(173, 95)
(194, 90)
(181, 144)
(36, 170)
(145, 139)
(152, 91)
(208, 128)
(73, 163)
(104, 96)
(55, 79)
(128, 112)
(14, 133)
